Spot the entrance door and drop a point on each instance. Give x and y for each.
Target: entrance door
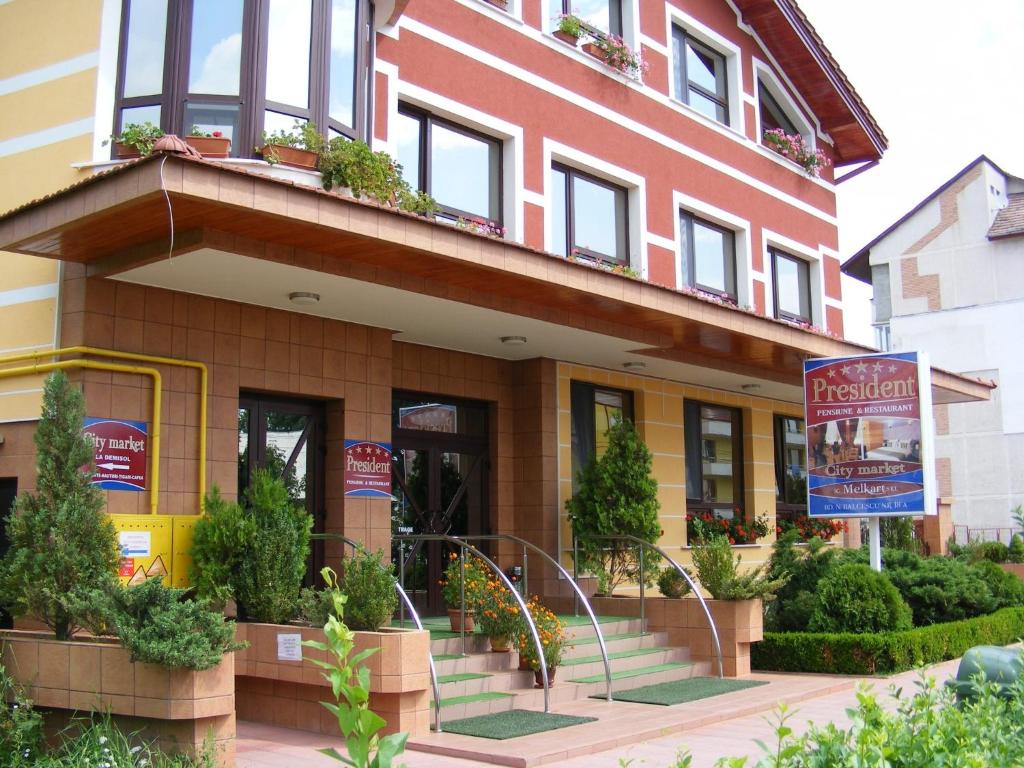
(439, 483)
(286, 437)
(8, 491)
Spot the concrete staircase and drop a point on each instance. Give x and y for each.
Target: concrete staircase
(481, 682)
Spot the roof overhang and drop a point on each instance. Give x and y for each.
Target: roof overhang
(119, 224)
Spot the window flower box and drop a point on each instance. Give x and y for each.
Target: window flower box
(210, 146)
(613, 51)
(792, 146)
(294, 157)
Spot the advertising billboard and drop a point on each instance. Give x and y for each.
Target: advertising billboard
(869, 436)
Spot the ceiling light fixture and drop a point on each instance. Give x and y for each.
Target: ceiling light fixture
(634, 365)
(305, 298)
(513, 341)
(750, 387)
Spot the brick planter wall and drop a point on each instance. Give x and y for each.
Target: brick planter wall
(177, 708)
(288, 693)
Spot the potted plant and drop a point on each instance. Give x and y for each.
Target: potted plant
(570, 28)
(672, 585)
(498, 615)
(467, 579)
(135, 140)
(613, 51)
(793, 147)
(737, 529)
(552, 638)
(208, 143)
(298, 148)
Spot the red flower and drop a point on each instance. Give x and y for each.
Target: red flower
(217, 134)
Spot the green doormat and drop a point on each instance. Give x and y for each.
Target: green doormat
(515, 722)
(679, 691)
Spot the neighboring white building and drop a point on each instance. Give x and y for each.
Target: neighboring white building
(948, 279)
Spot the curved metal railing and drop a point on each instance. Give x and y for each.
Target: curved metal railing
(464, 545)
(356, 546)
(679, 569)
(568, 577)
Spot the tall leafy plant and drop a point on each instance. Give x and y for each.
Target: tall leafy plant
(61, 541)
(617, 496)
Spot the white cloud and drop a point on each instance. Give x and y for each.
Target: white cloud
(219, 71)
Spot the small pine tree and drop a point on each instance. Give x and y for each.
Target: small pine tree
(61, 542)
(616, 496)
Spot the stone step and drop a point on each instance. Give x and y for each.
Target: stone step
(458, 707)
(626, 641)
(593, 666)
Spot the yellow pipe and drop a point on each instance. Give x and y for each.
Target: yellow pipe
(154, 472)
(157, 360)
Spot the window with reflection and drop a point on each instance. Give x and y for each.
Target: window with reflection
(459, 167)
(243, 67)
(790, 461)
(714, 456)
(700, 76)
(602, 15)
(708, 256)
(594, 410)
(791, 279)
(588, 216)
(773, 116)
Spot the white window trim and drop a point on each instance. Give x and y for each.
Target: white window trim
(729, 50)
(740, 228)
(636, 196)
(763, 74)
(510, 135)
(815, 277)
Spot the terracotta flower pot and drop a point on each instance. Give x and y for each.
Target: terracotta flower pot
(455, 617)
(503, 4)
(125, 151)
(291, 156)
(210, 146)
(524, 663)
(595, 51)
(565, 37)
(499, 643)
(538, 678)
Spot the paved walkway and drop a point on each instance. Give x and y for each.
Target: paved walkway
(710, 729)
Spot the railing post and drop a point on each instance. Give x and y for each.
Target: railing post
(526, 572)
(575, 575)
(462, 594)
(643, 625)
(401, 577)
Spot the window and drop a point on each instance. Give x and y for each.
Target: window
(791, 278)
(700, 76)
(594, 411)
(459, 167)
(588, 216)
(714, 456)
(708, 256)
(790, 462)
(602, 15)
(772, 114)
(243, 66)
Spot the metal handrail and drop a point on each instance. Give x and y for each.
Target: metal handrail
(356, 546)
(576, 588)
(681, 571)
(464, 545)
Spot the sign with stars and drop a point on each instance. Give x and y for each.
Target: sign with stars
(367, 469)
(869, 436)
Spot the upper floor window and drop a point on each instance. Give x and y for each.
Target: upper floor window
(594, 411)
(773, 116)
(243, 67)
(708, 256)
(791, 279)
(602, 15)
(700, 76)
(714, 456)
(588, 216)
(457, 166)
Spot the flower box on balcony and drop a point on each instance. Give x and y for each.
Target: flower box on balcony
(210, 146)
(290, 156)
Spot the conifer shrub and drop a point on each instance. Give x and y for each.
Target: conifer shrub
(672, 584)
(854, 598)
(62, 543)
(1006, 588)
(369, 584)
(719, 572)
(616, 496)
(1015, 552)
(803, 568)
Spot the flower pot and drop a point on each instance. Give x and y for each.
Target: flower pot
(210, 146)
(290, 156)
(455, 617)
(125, 151)
(524, 663)
(503, 4)
(566, 38)
(594, 50)
(499, 643)
(538, 678)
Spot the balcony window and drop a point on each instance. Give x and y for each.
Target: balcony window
(791, 278)
(700, 76)
(588, 217)
(602, 15)
(459, 167)
(708, 256)
(243, 67)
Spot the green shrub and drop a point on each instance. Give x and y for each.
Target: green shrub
(854, 598)
(719, 573)
(220, 541)
(802, 568)
(672, 584)
(61, 541)
(898, 533)
(21, 726)
(616, 496)
(369, 584)
(314, 606)
(1006, 588)
(884, 652)
(1015, 552)
(940, 589)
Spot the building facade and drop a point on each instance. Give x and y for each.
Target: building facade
(948, 279)
(609, 245)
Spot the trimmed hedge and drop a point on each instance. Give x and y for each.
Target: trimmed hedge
(884, 652)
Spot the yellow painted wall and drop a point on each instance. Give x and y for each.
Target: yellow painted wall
(658, 411)
(37, 33)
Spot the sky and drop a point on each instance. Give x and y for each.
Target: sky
(945, 81)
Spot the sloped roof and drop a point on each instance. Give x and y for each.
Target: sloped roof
(1009, 222)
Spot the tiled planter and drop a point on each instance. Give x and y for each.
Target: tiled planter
(288, 693)
(174, 707)
(739, 623)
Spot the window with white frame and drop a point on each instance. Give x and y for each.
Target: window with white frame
(791, 281)
(589, 216)
(700, 76)
(707, 253)
(773, 114)
(602, 15)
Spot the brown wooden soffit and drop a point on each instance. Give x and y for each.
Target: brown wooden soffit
(121, 219)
